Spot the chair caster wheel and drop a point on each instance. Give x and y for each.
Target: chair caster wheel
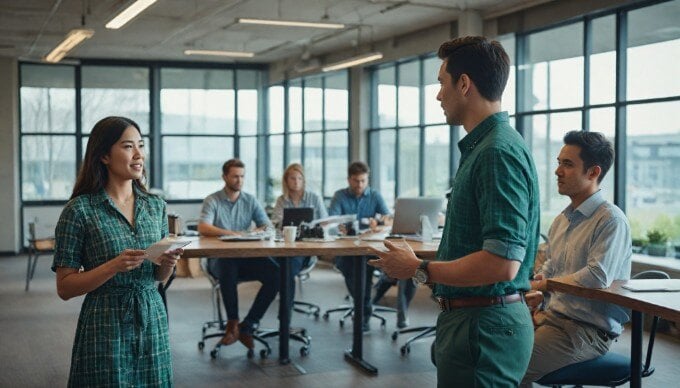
(201, 345)
(303, 332)
(394, 336)
(264, 353)
(405, 350)
(316, 315)
(214, 353)
(304, 351)
(251, 353)
(325, 316)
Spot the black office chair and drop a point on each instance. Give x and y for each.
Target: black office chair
(36, 247)
(306, 307)
(216, 327)
(611, 369)
(349, 309)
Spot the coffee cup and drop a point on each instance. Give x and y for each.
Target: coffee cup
(289, 234)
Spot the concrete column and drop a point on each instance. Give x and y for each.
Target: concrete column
(359, 113)
(470, 23)
(9, 156)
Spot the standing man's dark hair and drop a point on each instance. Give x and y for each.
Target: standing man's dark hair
(235, 163)
(484, 61)
(596, 150)
(357, 168)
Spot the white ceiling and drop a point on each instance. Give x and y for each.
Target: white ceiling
(29, 29)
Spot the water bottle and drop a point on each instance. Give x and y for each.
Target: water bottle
(426, 231)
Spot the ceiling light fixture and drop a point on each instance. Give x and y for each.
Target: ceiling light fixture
(129, 13)
(358, 60)
(72, 39)
(290, 23)
(219, 53)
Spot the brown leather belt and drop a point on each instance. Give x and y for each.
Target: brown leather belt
(448, 304)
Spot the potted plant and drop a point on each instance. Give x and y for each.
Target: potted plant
(639, 244)
(677, 250)
(657, 243)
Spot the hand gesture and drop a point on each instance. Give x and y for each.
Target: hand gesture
(128, 260)
(169, 258)
(399, 261)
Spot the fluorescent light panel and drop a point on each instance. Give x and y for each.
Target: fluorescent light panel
(219, 53)
(129, 13)
(72, 39)
(358, 60)
(290, 23)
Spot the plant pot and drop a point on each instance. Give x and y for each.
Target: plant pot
(638, 249)
(660, 250)
(677, 251)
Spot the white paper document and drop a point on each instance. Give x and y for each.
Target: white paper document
(653, 285)
(154, 252)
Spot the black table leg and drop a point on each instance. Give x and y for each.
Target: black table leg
(284, 311)
(355, 354)
(636, 351)
(163, 287)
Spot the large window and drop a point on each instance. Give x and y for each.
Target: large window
(315, 129)
(204, 117)
(410, 142)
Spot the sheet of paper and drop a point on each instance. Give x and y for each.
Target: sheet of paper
(653, 285)
(154, 252)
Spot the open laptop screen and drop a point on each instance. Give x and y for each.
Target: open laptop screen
(293, 216)
(407, 212)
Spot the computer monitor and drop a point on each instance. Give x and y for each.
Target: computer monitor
(296, 215)
(407, 212)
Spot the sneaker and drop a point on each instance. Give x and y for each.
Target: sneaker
(402, 323)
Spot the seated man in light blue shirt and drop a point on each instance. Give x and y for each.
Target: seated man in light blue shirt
(231, 212)
(366, 203)
(589, 243)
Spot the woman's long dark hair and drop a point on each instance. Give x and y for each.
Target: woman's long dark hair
(93, 174)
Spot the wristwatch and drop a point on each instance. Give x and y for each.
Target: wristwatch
(422, 276)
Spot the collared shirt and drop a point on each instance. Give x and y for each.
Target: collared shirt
(592, 245)
(309, 199)
(494, 205)
(237, 216)
(367, 205)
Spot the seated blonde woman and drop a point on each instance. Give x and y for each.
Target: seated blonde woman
(295, 195)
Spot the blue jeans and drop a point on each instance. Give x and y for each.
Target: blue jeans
(230, 272)
(296, 263)
(346, 265)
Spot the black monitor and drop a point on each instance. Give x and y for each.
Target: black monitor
(293, 216)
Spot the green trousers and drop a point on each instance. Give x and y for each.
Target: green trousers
(483, 346)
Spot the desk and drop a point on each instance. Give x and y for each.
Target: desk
(213, 247)
(662, 304)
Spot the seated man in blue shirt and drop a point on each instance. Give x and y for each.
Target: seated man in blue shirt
(231, 212)
(358, 199)
(589, 243)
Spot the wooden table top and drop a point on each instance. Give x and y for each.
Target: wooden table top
(213, 247)
(662, 304)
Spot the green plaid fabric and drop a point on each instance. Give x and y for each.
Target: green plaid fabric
(122, 335)
(494, 205)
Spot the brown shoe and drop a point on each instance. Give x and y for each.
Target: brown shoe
(231, 333)
(246, 338)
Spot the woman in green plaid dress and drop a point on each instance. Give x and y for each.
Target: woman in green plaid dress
(122, 334)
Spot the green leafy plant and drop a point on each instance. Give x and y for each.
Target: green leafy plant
(656, 236)
(639, 242)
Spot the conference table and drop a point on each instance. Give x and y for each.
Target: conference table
(212, 247)
(662, 304)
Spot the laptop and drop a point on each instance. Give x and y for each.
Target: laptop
(294, 216)
(407, 212)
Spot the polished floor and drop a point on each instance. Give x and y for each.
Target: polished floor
(37, 330)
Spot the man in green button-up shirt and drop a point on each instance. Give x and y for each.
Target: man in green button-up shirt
(484, 333)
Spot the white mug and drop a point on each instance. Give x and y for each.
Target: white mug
(289, 234)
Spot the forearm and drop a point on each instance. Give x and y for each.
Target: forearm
(162, 273)
(72, 283)
(477, 269)
(209, 230)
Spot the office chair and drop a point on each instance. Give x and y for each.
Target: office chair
(36, 247)
(611, 369)
(216, 327)
(349, 309)
(306, 307)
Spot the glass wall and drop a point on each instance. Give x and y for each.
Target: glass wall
(205, 116)
(410, 143)
(315, 129)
